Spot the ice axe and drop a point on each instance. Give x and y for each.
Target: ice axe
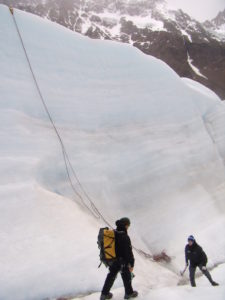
(182, 272)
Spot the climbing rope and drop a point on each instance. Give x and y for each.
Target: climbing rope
(64, 152)
(68, 165)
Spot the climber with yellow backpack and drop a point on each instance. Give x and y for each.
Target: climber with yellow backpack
(116, 253)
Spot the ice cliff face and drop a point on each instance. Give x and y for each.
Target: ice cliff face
(144, 143)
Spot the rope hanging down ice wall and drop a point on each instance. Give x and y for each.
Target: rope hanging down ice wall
(92, 209)
(64, 152)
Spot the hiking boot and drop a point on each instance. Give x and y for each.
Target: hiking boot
(215, 283)
(104, 297)
(133, 295)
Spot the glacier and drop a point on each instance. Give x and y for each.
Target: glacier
(144, 143)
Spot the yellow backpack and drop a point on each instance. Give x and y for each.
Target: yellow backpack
(106, 244)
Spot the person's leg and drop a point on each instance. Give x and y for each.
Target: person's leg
(207, 274)
(126, 276)
(192, 275)
(113, 271)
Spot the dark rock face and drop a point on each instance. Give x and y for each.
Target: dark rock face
(192, 49)
(210, 58)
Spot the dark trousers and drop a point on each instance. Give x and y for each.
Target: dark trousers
(192, 270)
(125, 274)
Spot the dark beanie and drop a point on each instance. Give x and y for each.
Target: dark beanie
(191, 238)
(123, 222)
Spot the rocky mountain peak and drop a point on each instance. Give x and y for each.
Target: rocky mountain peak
(220, 19)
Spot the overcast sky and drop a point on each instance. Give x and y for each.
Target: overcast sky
(199, 9)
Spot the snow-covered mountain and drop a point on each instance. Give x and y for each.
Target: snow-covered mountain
(217, 25)
(143, 142)
(192, 49)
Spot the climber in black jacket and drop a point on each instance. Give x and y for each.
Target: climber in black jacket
(197, 258)
(124, 262)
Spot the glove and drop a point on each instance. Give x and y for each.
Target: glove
(204, 268)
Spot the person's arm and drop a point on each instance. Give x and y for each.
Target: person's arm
(204, 258)
(128, 253)
(186, 255)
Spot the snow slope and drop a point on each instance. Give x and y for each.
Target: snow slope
(202, 292)
(143, 143)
